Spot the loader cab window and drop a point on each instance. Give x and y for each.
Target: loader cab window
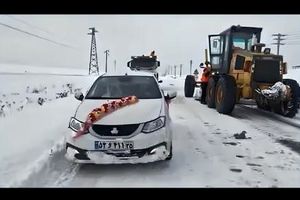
(239, 42)
(216, 43)
(243, 40)
(249, 44)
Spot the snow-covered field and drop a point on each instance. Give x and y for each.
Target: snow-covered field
(206, 153)
(17, 68)
(34, 113)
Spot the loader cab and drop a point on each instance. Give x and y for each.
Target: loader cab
(221, 46)
(144, 63)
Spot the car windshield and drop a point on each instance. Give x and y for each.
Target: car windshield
(115, 87)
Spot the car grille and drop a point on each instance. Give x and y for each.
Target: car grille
(123, 130)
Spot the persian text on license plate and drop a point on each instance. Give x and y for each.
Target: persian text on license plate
(113, 145)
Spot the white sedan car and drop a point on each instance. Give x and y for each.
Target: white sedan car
(137, 133)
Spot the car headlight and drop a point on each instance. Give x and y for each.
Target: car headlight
(75, 125)
(154, 125)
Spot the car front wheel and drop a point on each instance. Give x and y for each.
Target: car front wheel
(170, 154)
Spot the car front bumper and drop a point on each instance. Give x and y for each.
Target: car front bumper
(150, 147)
(151, 154)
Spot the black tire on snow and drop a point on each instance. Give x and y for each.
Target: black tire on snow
(225, 95)
(262, 106)
(170, 156)
(289, 109)
(189, 86)
(210, 92)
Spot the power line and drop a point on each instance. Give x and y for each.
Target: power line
(293, 38)
(292, 43)
(35, 35)
(278, 38)
(28, 24)
(294, 33)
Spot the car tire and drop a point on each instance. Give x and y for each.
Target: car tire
(170, 154)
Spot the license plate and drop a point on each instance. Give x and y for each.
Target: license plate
(113, 145)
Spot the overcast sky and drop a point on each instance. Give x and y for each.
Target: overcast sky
(177, 39)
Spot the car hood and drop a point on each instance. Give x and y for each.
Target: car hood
(142, 111)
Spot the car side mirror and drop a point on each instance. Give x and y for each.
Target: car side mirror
(129, 64)
(170, 95)
(79, 96)
(158, 63)
(160, 81)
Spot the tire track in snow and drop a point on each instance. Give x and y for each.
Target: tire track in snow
(201, 113)
(271, 125)
(252, 112)
(51, 169)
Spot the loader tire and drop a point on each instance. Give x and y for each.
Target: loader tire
(210, 92)
(289, 108)
(225, 95)
(262, 106)
(189, 86)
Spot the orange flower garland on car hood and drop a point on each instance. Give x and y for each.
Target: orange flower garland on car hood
(103, 110)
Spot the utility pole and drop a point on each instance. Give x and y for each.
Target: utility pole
(115, 63)
(93, 65)
(191, 63)
(175, 70)
(106, 54)
(171, 69)
(180, 70)
(278, 38)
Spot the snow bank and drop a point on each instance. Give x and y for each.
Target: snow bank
(19, 91)
(27, 135)
(30, 135)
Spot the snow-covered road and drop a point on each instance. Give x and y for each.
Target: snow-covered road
(205, 152)
(206, 155)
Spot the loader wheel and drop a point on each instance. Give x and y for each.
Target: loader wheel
(260, 105)
(189, 86)
(289, 108)
(210, 93)
(225, 96)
